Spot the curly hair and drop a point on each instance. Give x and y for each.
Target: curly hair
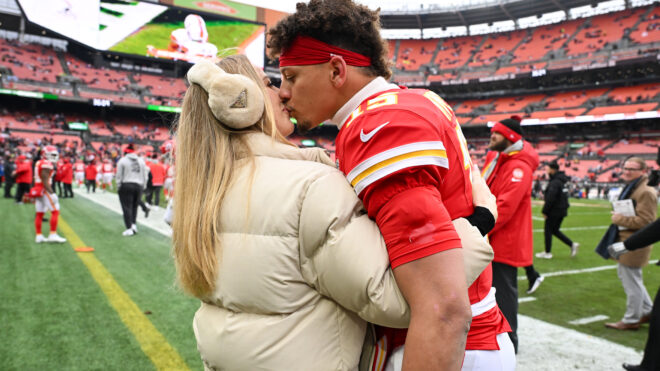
(341, 23)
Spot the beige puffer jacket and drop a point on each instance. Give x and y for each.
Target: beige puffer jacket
(302, 269)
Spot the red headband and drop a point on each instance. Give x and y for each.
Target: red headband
(507, 132)
(306, 50)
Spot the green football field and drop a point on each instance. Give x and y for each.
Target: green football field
(225, 35)
(119, 307)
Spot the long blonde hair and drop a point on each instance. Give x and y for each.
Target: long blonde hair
(206, 159)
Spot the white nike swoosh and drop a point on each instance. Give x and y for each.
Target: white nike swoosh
(365, 137)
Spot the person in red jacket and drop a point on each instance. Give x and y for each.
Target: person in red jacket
(158, 173)
(67, 178)
(23, 175)
(508, 171)
(57, 179)
(90, 176)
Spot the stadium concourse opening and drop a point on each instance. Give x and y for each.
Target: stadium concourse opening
(583, 75)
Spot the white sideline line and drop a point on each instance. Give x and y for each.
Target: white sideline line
(526, 299)
(587, 320)
(537, 218)
(579, 271)
(577, 228)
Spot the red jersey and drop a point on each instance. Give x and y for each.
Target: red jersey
(90, 172)
(405, 154)
(38, 167)
(79, 167)
(107, 168)
(402, 140)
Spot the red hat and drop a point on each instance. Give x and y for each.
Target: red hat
(509, 128)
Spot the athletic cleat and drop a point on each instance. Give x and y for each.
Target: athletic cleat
(535, 285)
(574, 249)
(128, 232)
(134, 228)
(54, 237)
(544, 255)
(40, 238)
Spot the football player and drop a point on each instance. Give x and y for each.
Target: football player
(44, 195)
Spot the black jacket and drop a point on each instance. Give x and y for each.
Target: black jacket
(556, 195)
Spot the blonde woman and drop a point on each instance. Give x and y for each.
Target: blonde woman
(271, 238)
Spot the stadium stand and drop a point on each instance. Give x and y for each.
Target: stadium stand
(497, 46)
(30, 62)
(459, 67)
(415, 53)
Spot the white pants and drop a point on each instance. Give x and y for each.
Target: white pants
(492, 360)
(107, 178)
(638, 301)
(47, 202)
(475, 360)
(80, 176)
(169, 184)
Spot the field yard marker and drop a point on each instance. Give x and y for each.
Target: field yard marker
(578, 271)
(526, 299)
(577, 228)
(152, 342)
(587, 320)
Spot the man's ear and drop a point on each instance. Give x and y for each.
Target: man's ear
(337, 71)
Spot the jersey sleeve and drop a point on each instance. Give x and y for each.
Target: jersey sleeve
(396, 172)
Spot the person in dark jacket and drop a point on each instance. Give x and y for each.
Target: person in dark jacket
(641, 239)
(555, 210)
(10, 179)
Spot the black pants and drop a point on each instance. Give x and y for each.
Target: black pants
(552, 224)
(90, 184)
(531, 273)
(58, 188)
(154, 190)
(21, 189)
(505, 281)
(68, 191)
(129, 197)
(8, 185)
(651, 360)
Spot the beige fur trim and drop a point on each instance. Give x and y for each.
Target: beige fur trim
(235, 100)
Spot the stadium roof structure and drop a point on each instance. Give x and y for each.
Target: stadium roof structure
(502, 11)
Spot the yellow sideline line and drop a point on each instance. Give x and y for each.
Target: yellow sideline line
(152, 342)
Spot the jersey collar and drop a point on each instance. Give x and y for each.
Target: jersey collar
(377, 85)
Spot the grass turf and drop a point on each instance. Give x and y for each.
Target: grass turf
(561, 299)
(223, 34)
(54, 315)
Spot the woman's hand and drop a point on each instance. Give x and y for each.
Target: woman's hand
(481, 195)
